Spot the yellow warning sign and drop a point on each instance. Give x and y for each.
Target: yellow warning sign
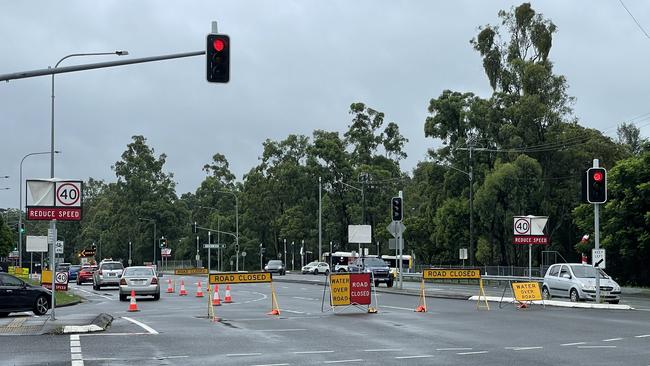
(46, 276)
(526, 291)
(461, 274)
(340, 287)
(190, 271)
(235, 277)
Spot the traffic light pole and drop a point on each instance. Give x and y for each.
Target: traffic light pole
(597, 238)
(400, 245)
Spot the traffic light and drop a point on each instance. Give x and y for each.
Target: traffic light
(218, 58)
(396, 208)
(22, 227)
(596, 185)
(194, 228)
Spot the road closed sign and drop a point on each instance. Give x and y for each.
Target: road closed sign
(350, 289)
(236, 277)
(526, 291)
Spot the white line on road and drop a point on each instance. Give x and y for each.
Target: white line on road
(114, 334)
(612, 339)
(572, 344)
(281, 330)
(92, 293)
(242, 354)
(596, 346)
(76, 357)
(397, 307)
(309, 352)
(453, 349)
(274, 364)
(523, 348)
(472, 353)
(407, 357)
(75, 344)
(344, 361)
(142, 325)
(383, 350)
(304, 298)
(642, 336)
(294, 311)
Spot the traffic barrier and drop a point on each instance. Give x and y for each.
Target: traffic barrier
(275, 308)
(170, 289)
(199, 291)
(182, 292)
(216, 300)
(212, 315)
(351, 289)
(422, 306)
(132, 305)
(228, 298)
(457, 274)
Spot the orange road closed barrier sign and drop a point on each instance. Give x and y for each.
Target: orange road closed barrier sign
(234, 277)
(190, 271)
(526, 291)
(440, 274)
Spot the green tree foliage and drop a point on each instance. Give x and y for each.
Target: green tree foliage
(6, 239)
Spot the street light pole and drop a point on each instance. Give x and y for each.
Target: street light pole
(154, 237)
(20, 208)
(236, 228)
(285, 254)
(320, 221)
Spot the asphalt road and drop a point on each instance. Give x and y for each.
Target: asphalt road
(175, 331)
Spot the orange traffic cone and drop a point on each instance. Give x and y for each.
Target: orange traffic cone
(199, 291)
(132, 305)
(170, 289)
(227, 299)
(182, 292)
(216, 300)
(421, 309)
(275, 308)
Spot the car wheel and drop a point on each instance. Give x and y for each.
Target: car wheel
(4, 315)
(156, 296)
(41, 305)
(573, 295)
(376, 283)
(341, 270)
(316, 271)
(78, 282)
(122, 297)
(327, 272)
(546, 295)
(613, 302)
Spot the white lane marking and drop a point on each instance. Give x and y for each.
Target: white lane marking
(294, 311)
(242, 354)
(258, 293)
(471, 353)
(344, 361)
(142, 325)
(281, 330)
(596, 346)
(397, 307)
(612, 339)
(273, 364)
(642, 336)
(309, 352)
(93, 293)
(453, 349)
(304, 298)
(168, 357)
(113, 334)
(407, 357)
(522, 348)
(572, 344)
(76, 358)
(383, 350)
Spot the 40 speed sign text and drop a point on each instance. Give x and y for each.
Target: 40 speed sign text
(350, 289)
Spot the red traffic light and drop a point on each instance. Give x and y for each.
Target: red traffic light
(219, 44)
(598, 176)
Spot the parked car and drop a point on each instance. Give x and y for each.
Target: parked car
(73, 271)
(578, 282)
(341, 268)
(63, 267)
(86, 274)
(142, 280)
(107, 274)
(275, 266)
(316, 268)
(379, 268)
(17, 295)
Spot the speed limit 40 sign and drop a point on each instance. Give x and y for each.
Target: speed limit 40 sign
(68, 194)
(54, 199)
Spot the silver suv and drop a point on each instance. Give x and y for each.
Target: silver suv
(578, 282)
(107, 274)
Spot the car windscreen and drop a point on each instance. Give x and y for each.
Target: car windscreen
(275, 263)
(132, 272)
(112, 266)
(75, 268)
(587, 272)
(374, 262)
(312, 264)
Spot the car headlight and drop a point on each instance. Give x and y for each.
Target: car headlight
(588, 287)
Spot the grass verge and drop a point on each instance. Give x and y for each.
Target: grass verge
(62, 298)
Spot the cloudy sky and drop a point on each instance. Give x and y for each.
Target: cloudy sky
(296, 67)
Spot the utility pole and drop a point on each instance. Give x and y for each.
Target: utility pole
(320, 221)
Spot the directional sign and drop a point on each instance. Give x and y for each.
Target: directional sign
(87, 253)
(396, 227)
(210, 246)
(598, 258)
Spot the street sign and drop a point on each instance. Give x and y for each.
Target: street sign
(58, 247)
(243, 254)
(526, 291)
(529, 230)
(249, 277)
(190, 271)
(36, 243)
(361, 234)
(350, 289)
(166, 252)
(392, 244)
(395, 227)
(210, 246)
(51, 199)
(462, 253)
(87, 253)
(51, 234)
(437, 274)
(598, 258)
(530, 239)
(13, 254)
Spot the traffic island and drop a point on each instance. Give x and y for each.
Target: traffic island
(86, 324)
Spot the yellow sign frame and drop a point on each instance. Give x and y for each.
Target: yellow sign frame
(190, 271)
(237, 277)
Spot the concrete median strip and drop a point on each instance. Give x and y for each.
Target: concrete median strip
(100, 323)
(562, 304)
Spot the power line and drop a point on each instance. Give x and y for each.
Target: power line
(635, 21)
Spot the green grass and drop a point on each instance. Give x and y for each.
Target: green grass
(61, 297)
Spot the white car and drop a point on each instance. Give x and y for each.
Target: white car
(316, 268)
(578, 282)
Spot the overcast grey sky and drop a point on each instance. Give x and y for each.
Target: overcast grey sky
(296, 66)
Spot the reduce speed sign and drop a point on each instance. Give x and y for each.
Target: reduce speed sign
(68, 194)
